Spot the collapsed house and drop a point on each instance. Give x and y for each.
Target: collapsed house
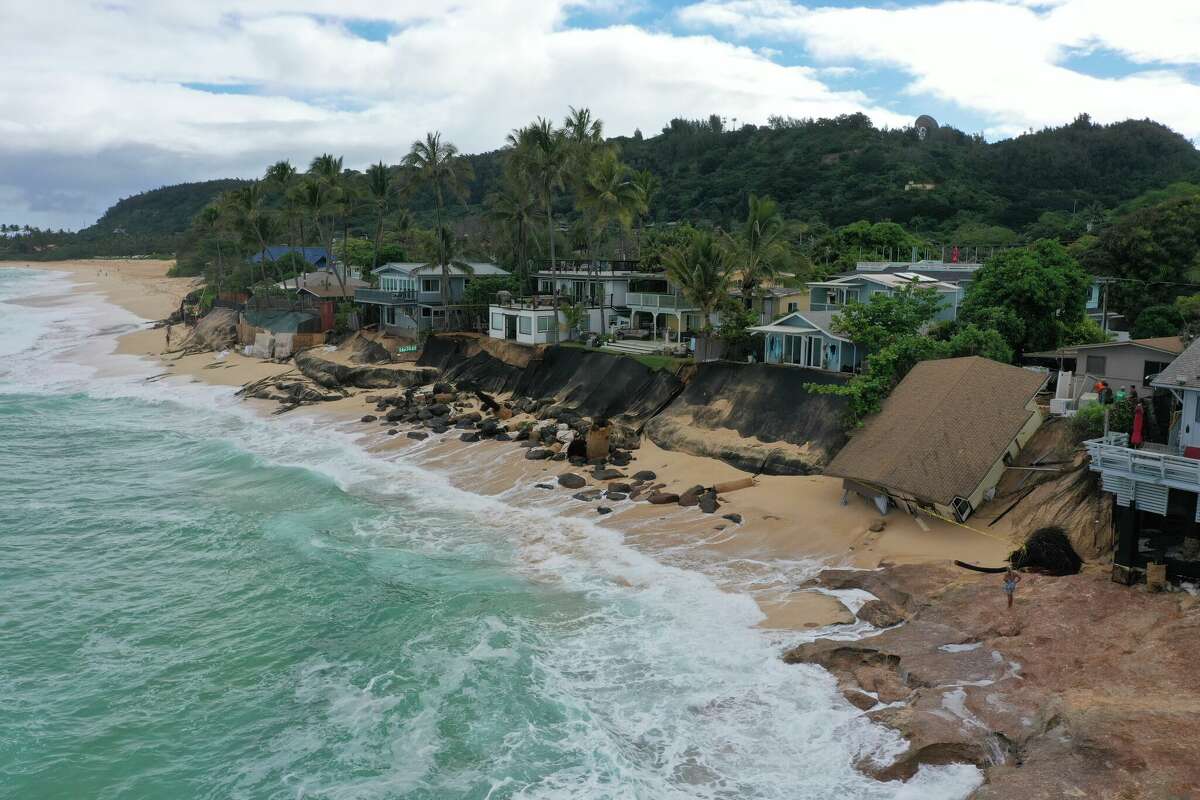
(943, 438)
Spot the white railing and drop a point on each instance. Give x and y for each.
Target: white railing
(1112, 454)
(649, 300)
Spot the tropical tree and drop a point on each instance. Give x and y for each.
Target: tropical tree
(253, 221)
(703, 270)
(543, 154)
(282, 176)
(447, 260)
(383, 193)
(437, 165)
(323, 196)
(209, 221)
(605, 195)
(649, 185)
(1033, 295)
(515, 208)
(759, 245)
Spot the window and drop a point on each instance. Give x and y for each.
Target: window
(497, 322)
(1151, 369)
(524, 325)
(426, 311)
(545, 287)
(1096, 365)
(791, 307)
(431, 284)
(543, 324)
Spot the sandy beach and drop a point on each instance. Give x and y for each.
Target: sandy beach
(788, 527)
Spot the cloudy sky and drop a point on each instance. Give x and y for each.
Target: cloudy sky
(99, 100)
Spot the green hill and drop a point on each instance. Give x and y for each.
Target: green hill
(168, 210)
(834, 171)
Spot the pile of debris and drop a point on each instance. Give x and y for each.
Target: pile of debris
(291, 390)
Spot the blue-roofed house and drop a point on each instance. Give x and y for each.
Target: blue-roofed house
(317, 256)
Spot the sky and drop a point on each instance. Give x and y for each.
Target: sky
(102, 100)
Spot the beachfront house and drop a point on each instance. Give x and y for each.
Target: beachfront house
(622, 296)
(1156, 487)
(1133, 362)
(409, 298)
(943, 438)
(807, 339)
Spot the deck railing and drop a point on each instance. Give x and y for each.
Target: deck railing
(1113, 454)
(599, 266)
(652, 300)
(384, 297)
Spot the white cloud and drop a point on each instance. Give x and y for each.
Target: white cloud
(114, 80)
(1001, 60)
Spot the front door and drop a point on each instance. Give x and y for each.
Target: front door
(510, 326)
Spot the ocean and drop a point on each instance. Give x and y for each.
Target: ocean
(198, 601)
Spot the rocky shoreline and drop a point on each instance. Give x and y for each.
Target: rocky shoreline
(1085, 689)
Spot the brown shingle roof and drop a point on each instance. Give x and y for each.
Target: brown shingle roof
(942, 428)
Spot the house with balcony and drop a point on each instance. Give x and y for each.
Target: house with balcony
(859, 287)
(1156, 487)
(526, 320)
(622, 295)
(409, 296)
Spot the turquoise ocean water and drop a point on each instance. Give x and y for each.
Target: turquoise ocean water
(197, 602)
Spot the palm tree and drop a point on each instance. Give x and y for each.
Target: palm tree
(605, 195)
(245, 205)
(282, 176)
(209, 222)
(702, 269)
(323, 196)
(515, 208)
(438, 166)
(382, 191)
(447, 258)
(649, 185)
(759, 244)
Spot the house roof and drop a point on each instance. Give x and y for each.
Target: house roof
(1184, 371)
(942, 429)
(1171, 345)
(812, 320)
(313, 255)
(892, 280)
(323, 284)
(773, 291)
(479, 268)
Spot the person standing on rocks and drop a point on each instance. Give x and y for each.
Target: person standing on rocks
(168, 336)
(1011, 579)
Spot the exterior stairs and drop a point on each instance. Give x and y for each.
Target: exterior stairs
(634, 347)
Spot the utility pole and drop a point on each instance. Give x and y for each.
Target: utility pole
(1104, 282)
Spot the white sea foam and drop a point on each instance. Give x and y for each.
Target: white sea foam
(667, 687)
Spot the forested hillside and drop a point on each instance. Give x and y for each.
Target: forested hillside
(948, 186)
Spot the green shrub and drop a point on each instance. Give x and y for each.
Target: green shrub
(1088, 422)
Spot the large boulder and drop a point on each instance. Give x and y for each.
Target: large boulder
(321, 371)
(569, 480)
